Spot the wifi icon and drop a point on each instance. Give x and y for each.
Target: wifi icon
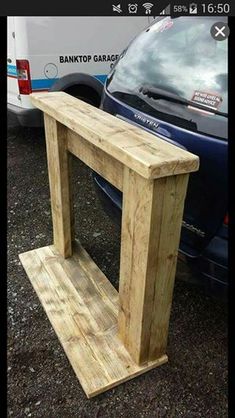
(148, 7)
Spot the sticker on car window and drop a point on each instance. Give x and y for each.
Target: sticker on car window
(162, 25)
(209, 100)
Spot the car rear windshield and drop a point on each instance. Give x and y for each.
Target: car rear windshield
(178, 58)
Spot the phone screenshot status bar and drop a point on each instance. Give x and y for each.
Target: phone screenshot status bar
(131, 8)
(174, 8)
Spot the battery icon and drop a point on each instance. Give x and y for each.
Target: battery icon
(193, 9)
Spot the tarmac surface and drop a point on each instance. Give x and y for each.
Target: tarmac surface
(41, 382)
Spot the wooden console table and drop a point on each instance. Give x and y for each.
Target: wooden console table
(110, 337)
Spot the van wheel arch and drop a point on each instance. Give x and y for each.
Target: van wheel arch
(82, 86)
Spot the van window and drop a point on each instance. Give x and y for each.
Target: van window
(180, 57)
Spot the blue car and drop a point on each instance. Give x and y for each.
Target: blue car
(172, 81)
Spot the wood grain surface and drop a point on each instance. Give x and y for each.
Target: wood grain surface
(82, 306)
(137, 149)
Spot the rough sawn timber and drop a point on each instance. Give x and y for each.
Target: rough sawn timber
(110, 337)
(82, 306)
(137, 149)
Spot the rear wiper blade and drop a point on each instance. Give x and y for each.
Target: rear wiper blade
(139, 99)
(157, 93)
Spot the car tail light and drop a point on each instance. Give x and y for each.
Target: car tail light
(23, 75)
(226, 219)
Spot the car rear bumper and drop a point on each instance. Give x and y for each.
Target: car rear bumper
(209, 270)
(26, 117)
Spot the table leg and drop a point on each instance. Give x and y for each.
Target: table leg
(151, 225)
(58, 168)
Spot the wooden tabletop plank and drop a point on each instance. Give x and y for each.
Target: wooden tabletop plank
(148, 155)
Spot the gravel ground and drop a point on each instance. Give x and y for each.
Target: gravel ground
(41, 382)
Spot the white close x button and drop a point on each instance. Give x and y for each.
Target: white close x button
(220, 31)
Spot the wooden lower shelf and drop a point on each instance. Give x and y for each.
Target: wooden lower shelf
(82, 306)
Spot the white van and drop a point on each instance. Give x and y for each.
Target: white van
(73, 54)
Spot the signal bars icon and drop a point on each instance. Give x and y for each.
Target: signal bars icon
(166, 11)
(148, 7)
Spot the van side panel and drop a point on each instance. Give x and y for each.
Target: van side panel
(12, 83)
(58, 46)
(22, 37)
